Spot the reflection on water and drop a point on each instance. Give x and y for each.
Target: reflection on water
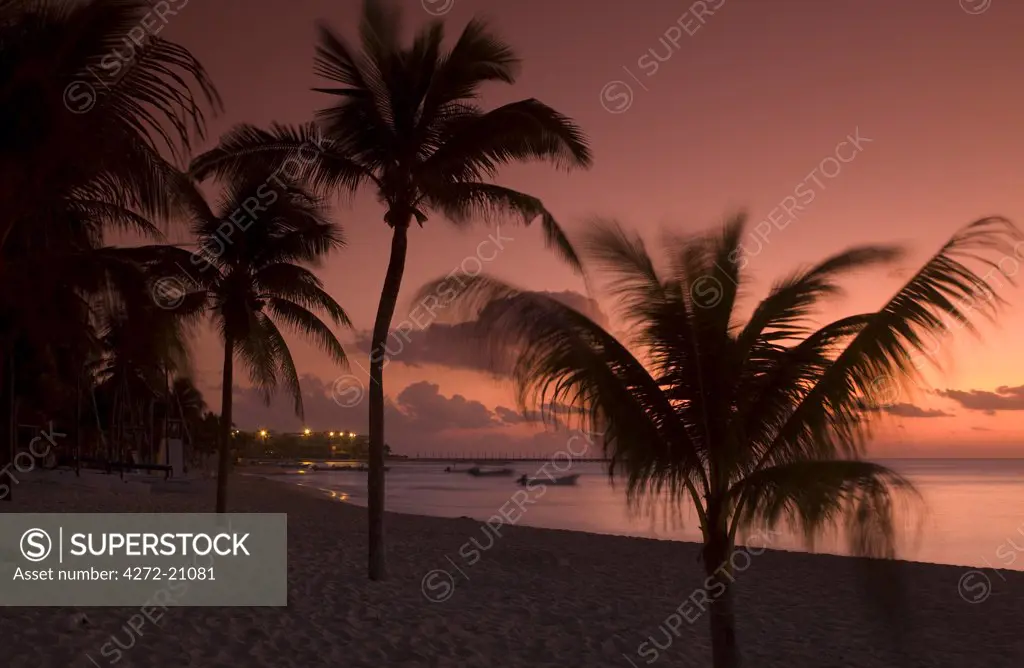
(973, 513)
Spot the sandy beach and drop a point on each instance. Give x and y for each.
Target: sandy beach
(531, 597)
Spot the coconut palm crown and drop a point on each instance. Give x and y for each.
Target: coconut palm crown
(754, 422)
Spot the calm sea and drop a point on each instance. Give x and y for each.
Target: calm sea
(973, 511)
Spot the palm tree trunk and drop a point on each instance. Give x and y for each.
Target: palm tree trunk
(381, 327)
(224, 460)
(115, 427)
(8, 439)
(152, 448)
(167, 419)
(724, 649)
(78, 426)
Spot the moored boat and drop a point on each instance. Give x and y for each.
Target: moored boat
(487, 471)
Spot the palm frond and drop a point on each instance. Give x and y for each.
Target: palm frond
(299, 285)
(476, 145)
(478, 57)
(361, 123)
(830, 419)
(634, 281)
(116, 216)
(286, 365)
(783, 314)
(299, 153)
(861, 497)
(258, 351)
(461, 201)
(155, 92)
(307, 323)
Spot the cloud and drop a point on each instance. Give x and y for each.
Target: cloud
(419, 419)
(585, 305)
(1005, 398)
(416, 344)
(912, 411)
(420, 408)
(511, 416)
(561, 409)
(422, 405)
(322, 412)
(908, 411)
(451, 346)
(981, 429)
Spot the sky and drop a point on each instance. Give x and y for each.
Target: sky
(831, 123)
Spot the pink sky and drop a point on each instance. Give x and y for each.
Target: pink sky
(736, 115)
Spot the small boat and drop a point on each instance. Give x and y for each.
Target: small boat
(560, 480)
(487, 471)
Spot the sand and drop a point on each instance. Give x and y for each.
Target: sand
(532, 597)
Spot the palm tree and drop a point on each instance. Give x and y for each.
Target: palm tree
(186, 401)
(252, 276)
(755, 423)
(142, 344)
(62, 165)
(63, 313)
(407, 123)
(86, 112)
(207, 436)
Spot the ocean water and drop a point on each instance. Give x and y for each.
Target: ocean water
(972, 510)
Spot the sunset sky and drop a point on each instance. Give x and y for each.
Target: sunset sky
(738, 114)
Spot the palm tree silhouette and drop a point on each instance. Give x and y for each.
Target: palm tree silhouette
(407, 123)
(65, 175)
(188, 405)
(757, 422)
(141, 100)
(142, 346)
(251, 277)
(64, 288)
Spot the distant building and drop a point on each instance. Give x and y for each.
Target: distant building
(265, 444)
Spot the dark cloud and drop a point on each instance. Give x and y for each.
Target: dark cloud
(908, 411)
(419, 408)
(452, 346)
(511, 416)
(981, 429)
(416, 343)
(422, 405)
(322, 411)
(561, 409)
(418, 420)
(912, 411)
(585, 305)
(1005, 398)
